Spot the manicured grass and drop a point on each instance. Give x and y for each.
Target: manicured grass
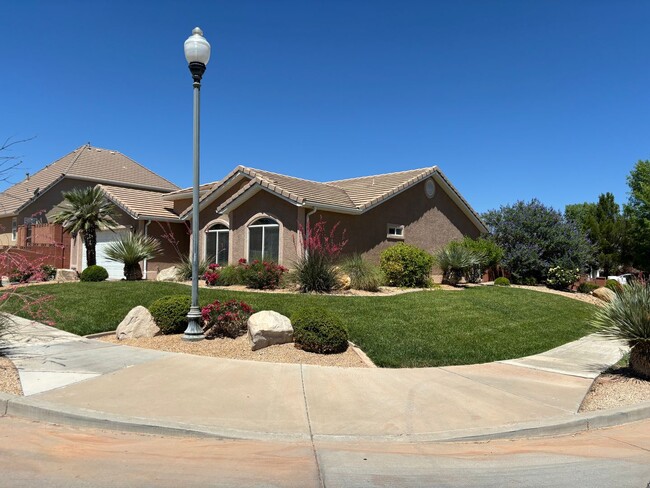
(411, 330)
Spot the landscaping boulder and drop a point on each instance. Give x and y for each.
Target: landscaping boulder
(167, 274)
(137, 323)
(604, 294)
(267, 328)
(66, 275)
(344, 281)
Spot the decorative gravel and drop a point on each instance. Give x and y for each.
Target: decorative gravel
(9, 379)
(240, 349)
(583, 297)
(612, 390)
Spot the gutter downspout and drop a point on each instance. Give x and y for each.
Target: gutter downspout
(146, 225)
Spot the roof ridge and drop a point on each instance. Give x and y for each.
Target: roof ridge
(382, 174)
(74, 160)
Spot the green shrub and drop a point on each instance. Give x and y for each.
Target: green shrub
(316, 272)
(230, 275)
(627, 317)
(502, 281)
(489, 255)
(170, 313)
(587, 287)
(363, 275)
(319, 330)
(49, 271)
(458, 261)
(560, 278)
(406, 265)
(614, 285)
(529, 281)
(94, 273)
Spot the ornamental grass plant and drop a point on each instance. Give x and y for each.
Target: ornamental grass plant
(627, 317)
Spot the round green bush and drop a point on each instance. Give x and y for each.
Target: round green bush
(170, 313)
(613, 285)
(318, 330)
(502, 281)
(406, 265)
(94, 273)
(587, 287)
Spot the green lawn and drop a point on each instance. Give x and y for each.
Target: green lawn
(411, 330)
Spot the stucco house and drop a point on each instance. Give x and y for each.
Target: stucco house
(251, 213)
(27, 206)
(255, 214)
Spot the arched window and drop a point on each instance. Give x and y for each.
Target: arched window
(217, 244)
(264, 240)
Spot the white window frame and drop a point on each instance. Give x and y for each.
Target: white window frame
(398, 231)
(217, 232)
(263, 227)
(14, 228)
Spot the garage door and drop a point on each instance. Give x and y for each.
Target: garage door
(105, 237)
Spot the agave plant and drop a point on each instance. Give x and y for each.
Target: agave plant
(627, 317)
(456, 261)
(130, 250)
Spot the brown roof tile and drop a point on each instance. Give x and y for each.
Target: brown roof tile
(141, 204)
(88, 163)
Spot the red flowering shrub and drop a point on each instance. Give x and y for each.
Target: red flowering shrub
(262, 275)
(211, 276)
(225, 319)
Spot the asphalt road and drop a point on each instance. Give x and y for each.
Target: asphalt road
(35, 454)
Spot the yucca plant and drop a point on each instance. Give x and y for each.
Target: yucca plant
(456, 261)
(627, 317)
(184, 272)
(130, 250)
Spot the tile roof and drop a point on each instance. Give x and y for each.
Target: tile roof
(86, 163)
(141, 204)
(354, 195)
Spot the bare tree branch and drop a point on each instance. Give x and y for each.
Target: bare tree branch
(8, 163)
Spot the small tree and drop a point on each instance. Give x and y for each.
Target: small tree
(130, 250)
(86, 210)
(638, 211)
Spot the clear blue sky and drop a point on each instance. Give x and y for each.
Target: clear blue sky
(512, 99)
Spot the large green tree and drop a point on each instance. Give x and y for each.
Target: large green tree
(86, 210)
(606, 228)
(638, 212)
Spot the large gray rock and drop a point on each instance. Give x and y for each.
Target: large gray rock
(137, 323)
(66, 275)
(267, 328)
(604, 294)
(167, 274)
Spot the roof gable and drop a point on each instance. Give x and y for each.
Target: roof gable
(84, 163)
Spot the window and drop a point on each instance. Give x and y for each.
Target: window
(264, 240)
(14, 228)
(217, 244)
(395, 231)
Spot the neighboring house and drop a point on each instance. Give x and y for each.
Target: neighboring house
(256, 214)
(135, 190)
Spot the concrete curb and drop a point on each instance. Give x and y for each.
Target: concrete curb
(27, 408)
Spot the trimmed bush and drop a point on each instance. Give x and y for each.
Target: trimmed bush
(502, 281)
(319, 330)
(363, 275)
(170, 313)
(94, 273)
(529, 281)
(262, 275)
(587, 287)
(406, 265)
(614, 285)
(225, 319)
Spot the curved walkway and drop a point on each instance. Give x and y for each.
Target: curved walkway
(88, 382)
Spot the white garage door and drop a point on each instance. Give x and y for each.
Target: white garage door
(104, 237)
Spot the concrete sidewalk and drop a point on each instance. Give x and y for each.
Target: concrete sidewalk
(96, 383)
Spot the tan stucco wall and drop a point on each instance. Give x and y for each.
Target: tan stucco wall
(428, 223)
(170, 250)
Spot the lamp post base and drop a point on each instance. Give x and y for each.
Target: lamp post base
(193, 331)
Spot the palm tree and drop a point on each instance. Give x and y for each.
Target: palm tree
(627, 317)
(85, 210)
(130, 250)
